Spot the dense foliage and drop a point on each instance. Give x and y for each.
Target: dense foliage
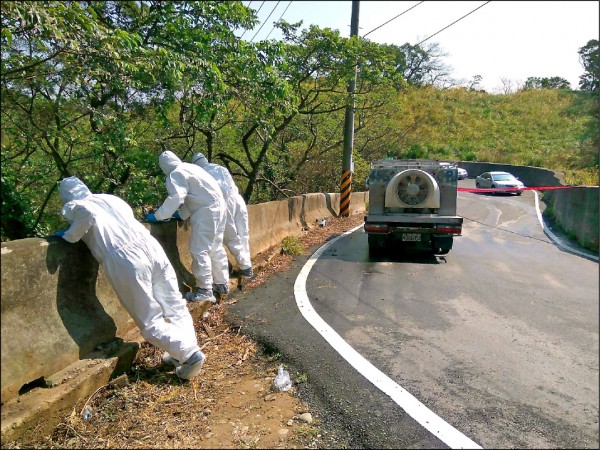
(99, 89)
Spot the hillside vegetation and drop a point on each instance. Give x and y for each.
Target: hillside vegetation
(543, 128)
(100, 89)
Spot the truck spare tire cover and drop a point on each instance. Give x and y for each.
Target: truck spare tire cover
(412, 188)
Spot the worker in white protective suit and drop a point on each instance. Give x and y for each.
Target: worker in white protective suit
(198, 196)
(138, 270)
(236, 236)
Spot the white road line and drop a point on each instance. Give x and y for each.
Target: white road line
(413, 407)
(554, 238)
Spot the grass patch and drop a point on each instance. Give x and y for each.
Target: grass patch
(582, 177)
(301, 378)
(291, 245)
(306, 432)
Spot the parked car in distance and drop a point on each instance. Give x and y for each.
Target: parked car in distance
(503, 181)
(462, 174)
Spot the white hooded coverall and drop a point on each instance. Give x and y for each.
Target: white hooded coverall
(200, 199)
(236, 236)
(135, 265)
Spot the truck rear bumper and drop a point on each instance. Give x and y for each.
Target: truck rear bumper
(398, 219)
(424, 225)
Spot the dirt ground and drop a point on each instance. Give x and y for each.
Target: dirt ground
(231, 404)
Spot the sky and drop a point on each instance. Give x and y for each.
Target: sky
(501, 41)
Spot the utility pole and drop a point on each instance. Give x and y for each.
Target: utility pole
(345, 189)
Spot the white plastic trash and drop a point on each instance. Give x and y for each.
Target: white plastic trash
(87, 412)
(282, 380)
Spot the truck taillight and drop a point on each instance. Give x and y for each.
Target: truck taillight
(376, 228)
(455, 231)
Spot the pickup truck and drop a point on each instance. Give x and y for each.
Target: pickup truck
(412, 203)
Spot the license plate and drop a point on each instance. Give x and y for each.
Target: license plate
(411, 237)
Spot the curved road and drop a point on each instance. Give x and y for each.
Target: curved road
(498, 340)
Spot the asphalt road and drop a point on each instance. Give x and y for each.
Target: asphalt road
(499, 339)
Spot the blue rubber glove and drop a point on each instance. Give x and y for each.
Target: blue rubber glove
(59, 233)
(150, 217)
(176, 215)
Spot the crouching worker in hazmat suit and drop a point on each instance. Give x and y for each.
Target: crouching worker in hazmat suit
(138, 270)
(199, 197)
(236, 236)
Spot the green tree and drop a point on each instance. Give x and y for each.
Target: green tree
(546, 83)
(589, 56)
(77, 78)
(17, 218)
(421, 65)
(316, 67)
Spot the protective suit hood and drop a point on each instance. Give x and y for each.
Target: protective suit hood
(199, 159)
(72, 188)
(168, 161)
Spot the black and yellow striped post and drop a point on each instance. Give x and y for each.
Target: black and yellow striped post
(346, 184)
(345, 192)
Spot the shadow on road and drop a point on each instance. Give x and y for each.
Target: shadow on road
(403, 256)
(358, 251)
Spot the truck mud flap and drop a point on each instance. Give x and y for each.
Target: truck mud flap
(441, 245)
(377, 244)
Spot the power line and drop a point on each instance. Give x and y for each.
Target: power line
(257, 11)
(393, 18)
(448, 26)
(265, 21)
(286, 8)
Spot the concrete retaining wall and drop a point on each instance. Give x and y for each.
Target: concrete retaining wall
(576, 210)
(57, 305)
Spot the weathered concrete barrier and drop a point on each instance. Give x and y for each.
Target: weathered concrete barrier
(576, 211)
(58, 308)
(272, 221)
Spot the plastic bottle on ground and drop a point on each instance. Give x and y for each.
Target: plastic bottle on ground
(282, 380)
(87, 412)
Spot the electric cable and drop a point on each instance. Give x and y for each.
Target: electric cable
(280, 17)
(393, 18)
(448, 26)
(257, 11)
(265, 21)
